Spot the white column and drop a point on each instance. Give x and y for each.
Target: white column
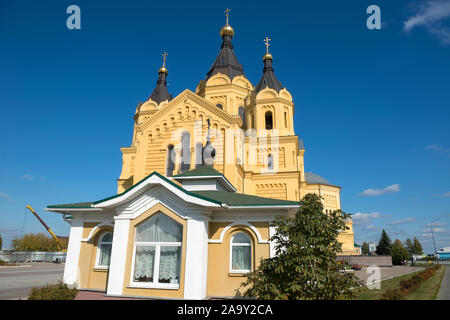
(272, 231)
(195, 273)
(71, 269)
(116, 276)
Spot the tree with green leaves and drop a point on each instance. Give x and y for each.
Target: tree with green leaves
(417, 246)
(384, 245)
(35, 242)
(399, 253)
(365, 248)
(409, 246)
(304, 265)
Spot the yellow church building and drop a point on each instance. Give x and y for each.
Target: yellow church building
(205, 174)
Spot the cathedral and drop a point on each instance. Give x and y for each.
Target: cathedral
(205, 174)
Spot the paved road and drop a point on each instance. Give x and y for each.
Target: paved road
(444, 292)
(386, 272)
(16, 282)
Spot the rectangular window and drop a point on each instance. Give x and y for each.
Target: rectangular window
(157, 253)
(169, 265)
(144, 264)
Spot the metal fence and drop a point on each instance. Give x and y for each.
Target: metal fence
(33, 256)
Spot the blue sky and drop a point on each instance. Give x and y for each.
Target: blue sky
(372, 106)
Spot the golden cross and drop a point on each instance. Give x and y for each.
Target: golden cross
(164, 58)
(266, 41)
(227, 13)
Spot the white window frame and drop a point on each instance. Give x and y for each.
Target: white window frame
(155, 284)
(240, 244)
(99, 249)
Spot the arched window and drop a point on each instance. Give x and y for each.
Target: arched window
(219, 106)
(269, 120)
(157, 252)
(185, 151)
(241, 253)
(198, 154)
(104, 246)
(270, 162)
(170, 161)
(285, 120)
(241, 112)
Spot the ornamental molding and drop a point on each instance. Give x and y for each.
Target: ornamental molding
(184, 97)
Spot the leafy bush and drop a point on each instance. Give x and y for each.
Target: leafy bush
(410, 285)
(58, 291)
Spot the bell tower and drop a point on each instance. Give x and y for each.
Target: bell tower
(272, 108)
(225, 84)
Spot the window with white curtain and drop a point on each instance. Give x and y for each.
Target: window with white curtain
(241, 253)
(157, 252)
(104, 246)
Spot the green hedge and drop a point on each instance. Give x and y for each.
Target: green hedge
(410, 285)
(53, 292)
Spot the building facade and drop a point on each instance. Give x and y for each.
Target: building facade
(205, 174)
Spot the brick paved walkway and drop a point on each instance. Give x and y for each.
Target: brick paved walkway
(95, 295)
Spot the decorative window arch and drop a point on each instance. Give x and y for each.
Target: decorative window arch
(219, 106)
(185, 151)
(240, 253)
(157, 253)
(268, 117)
(104, 246)
(170, 167)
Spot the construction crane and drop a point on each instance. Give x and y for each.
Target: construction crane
(58, 243)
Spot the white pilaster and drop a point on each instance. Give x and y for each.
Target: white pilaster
(196, 260)
(116, 276)
(71, 269)
(272, 231)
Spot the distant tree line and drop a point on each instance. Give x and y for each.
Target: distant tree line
(397, 250)
(36, 242)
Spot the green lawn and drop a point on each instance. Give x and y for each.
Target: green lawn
(430, 288)
(427, 291)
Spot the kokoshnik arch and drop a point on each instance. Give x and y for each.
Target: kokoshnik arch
(206, 173)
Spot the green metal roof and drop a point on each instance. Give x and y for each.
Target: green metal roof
(218, 197)
(79, 205)
(204, 170)
(240, 199)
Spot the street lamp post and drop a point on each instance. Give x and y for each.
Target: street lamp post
(434, 243)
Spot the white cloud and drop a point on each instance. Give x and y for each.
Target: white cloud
(6, 196)
(378, 192)
(360, 218)
(437, 224)
(435, 230)
(437, 148)
(447, 194)
(27, 177)
(395, 222)
(371, 227)
(431, 15)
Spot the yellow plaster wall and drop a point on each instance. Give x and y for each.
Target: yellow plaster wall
(167, 293)
(220, 281)
(89, 276)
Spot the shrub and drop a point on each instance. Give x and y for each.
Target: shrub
(58, 291)
(410, 285)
